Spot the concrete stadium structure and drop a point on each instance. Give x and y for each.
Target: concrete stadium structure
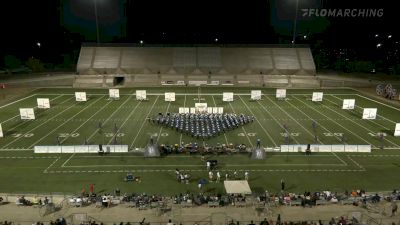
(133, 65)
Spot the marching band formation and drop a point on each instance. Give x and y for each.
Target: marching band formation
(202, 125)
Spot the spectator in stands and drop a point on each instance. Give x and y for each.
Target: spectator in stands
(232, 223)
(170, 222)
(252, 223)
(394, 208)
(264, 222)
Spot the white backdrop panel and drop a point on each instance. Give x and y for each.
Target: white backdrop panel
(80, 96)
(397, 130)
(43, 103)
(227, 96)
(280, 93)
(348, 103)
(369, 113)
(27, 113)
(256, 94)
(141, 95)
(317, 96)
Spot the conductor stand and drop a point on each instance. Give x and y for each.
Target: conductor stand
(308, 150)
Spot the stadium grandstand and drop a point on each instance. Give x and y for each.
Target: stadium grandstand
(246, 65)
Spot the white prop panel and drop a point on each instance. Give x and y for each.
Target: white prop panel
(43, 103)
(227, 96)
(281, 93)
(80, 96)
(141, 95)
(220, 110)
(1, 131)
(27, 113)
(201, 107)
(255, 94)
(369, 113)
(348, 103)
(169, 96)
(397, 130)
(114, 93)
(317, 96)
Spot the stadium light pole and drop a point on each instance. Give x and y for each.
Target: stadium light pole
(295, 22)
(97, 21)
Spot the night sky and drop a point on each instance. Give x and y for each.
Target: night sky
(61, 26)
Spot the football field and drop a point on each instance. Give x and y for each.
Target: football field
(124, 121)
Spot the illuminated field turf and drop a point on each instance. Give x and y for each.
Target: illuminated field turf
(74, 122)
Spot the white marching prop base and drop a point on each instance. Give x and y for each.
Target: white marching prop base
(81, 149)
(326, 148)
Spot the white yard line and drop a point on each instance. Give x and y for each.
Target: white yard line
(313, 119)
(351, 159)
(66, 161)
(336, 122)
(324, 129)
(26, 121)
(344, 163)
(17, 101)
(45, 171)
(144, 122)
(376, 115)
(62, 124)
(244, 130)
(191, 165)
(87, 120)
(5, 121)
(159, 133)
(262, 127)
(203, 170)
(358, 124)
(378, 102)
(109, 117)
(312, 135)
(127, 118)
(180, 137)
(279, 124)
(30, 131)
(215, 105)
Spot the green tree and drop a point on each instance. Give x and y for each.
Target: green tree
(35, 64)
(12, 62)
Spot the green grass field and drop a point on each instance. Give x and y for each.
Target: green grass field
(23, 171)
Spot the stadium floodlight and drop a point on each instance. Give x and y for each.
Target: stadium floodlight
(379, 45)
(97, 22)
(216, 39)
(295, 22)
(38, 44)
(389, 36)
(141, 42)
(376, 35)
